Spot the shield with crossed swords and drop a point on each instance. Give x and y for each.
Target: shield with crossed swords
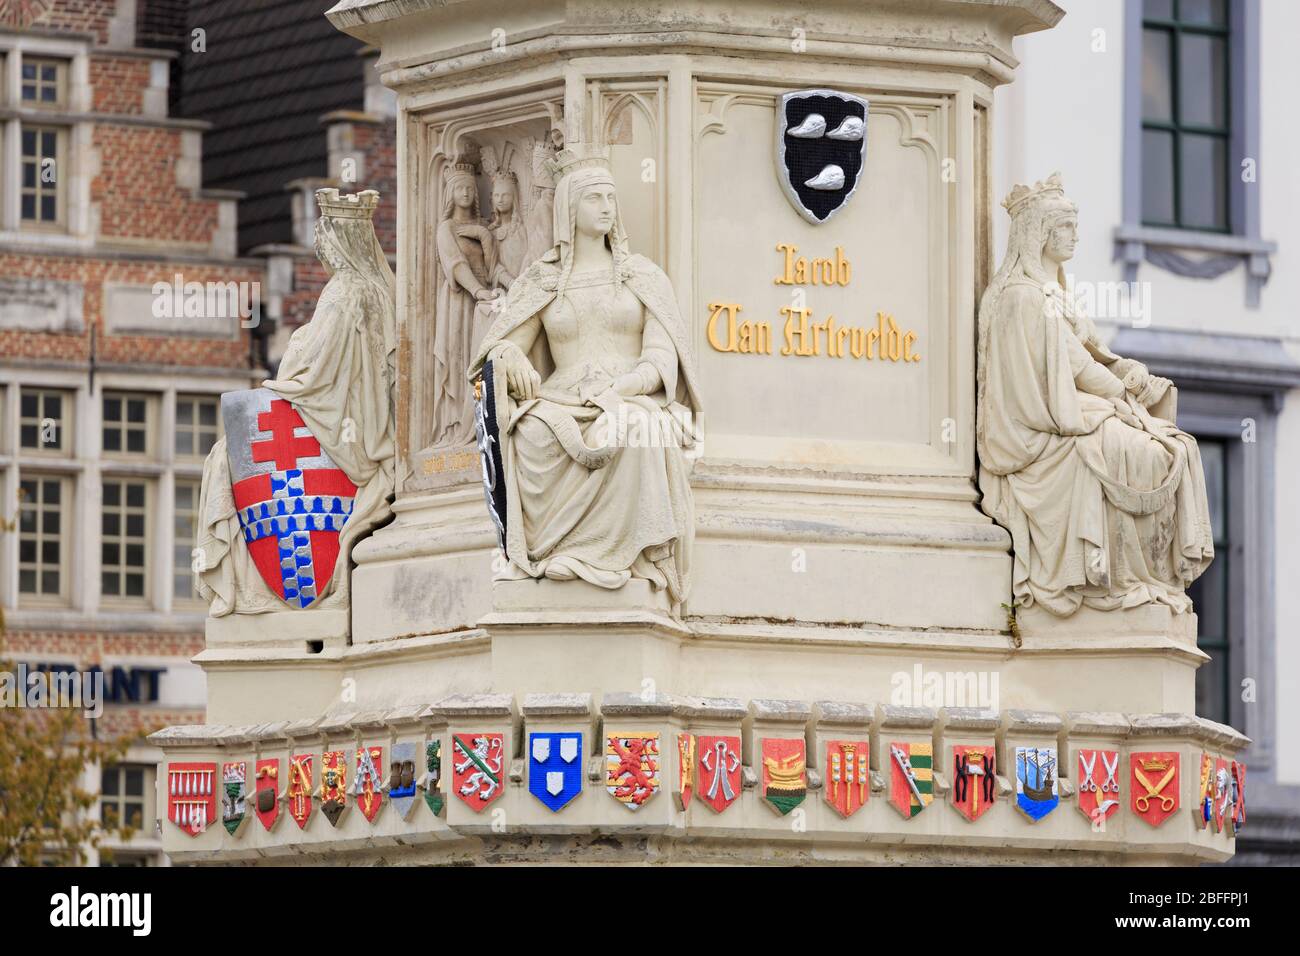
(291, 498)
(821, 150)
(1154, 785)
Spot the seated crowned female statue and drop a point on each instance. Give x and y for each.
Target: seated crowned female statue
(600, 400)
(1079, 457)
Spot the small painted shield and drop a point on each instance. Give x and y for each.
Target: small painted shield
(1154, 785)
(1098, 784)
(911, 777)
(191, 796)
(685, 770)
(1036, 781)
(433, 776)
(234, 783)
(632, 768)
(1222, 793)
(1238, 796)
(368, 784)
(848, 780)
(333, 785)
(301, 788)
(719, 766)
(266, 796)
(555, 768)
(785, 773)
(821, 150)
(476, 768)
(974, 779)
(402, 778)
(1205, 792)
(291, 498)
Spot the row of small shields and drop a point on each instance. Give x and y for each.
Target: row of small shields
(709, 768)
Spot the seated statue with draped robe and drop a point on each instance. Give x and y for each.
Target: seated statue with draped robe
(599, 402)
(1080, 459)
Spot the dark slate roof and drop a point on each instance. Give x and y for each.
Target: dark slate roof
(271, 70)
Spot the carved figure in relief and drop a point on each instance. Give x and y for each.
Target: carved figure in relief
(597, 401)
(1080, 458)
(470, 279)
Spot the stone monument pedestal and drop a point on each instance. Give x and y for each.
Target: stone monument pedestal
(846, 585)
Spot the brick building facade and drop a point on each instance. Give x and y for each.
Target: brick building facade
(111, 361)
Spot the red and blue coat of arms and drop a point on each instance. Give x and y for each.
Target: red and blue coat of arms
(292, 499)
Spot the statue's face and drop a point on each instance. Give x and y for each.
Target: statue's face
(503, 195)
(1062, 239)
(463, 194)
(596, 208)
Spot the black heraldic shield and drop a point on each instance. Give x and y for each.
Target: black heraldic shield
(821, 150)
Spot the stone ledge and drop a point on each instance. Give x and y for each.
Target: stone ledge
(971, 719)
(1033, 722)
(557, 705)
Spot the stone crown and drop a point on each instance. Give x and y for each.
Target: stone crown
(1020, 196)
(349, 206)
(579, 156)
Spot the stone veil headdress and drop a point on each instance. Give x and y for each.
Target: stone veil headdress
(576, 167)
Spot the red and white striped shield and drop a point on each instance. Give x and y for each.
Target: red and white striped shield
(292, 499)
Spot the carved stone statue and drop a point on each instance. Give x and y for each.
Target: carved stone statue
(507, 225)
(1079, 457)
(593, 363)
(305, 468)
(471, 278)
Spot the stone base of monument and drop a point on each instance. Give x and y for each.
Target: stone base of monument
(515, 826)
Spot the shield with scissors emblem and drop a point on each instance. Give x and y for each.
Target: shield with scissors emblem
(555, 768)
(1098, 784)
(1154, 785)
(821, 150)
(291, 498)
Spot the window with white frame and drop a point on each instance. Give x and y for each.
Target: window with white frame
(44, 420)
(40, 195)
(197, 425)
(43, 509)
(185, 523)
(44, 82)
(124, 795)
(124, 545)
(127, 423)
